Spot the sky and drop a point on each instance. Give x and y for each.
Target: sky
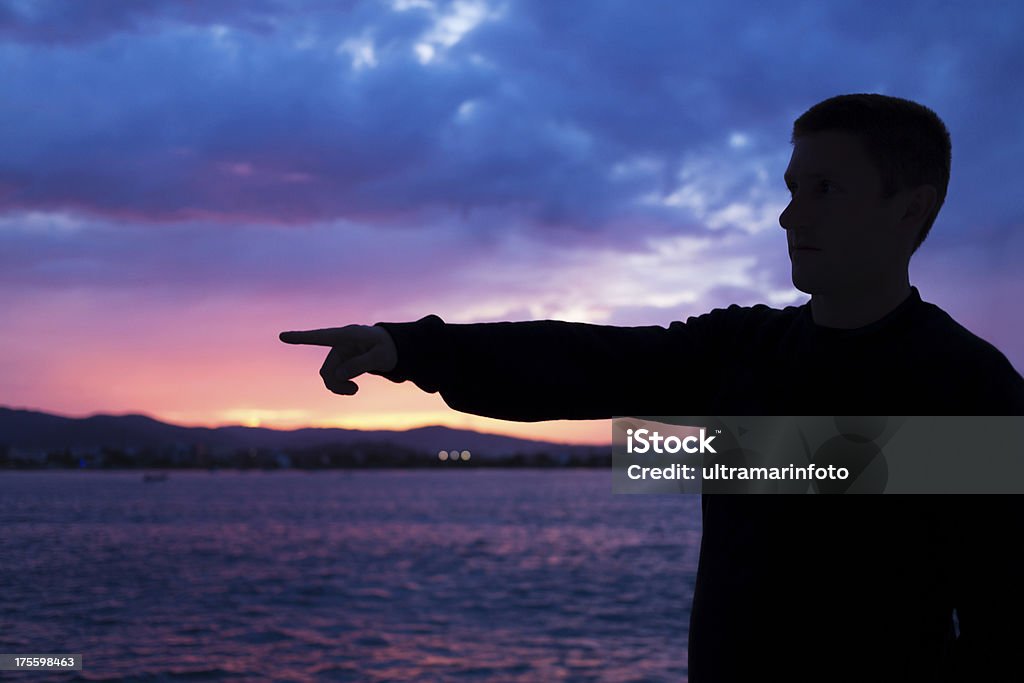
(180, 181)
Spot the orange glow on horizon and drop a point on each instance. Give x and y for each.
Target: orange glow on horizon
(588, 432)
(213, 365)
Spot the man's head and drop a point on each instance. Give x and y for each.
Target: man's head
(868, 176)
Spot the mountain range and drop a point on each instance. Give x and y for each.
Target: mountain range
(33, 430)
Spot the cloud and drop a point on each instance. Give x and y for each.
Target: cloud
(481, 160)
(270, 113)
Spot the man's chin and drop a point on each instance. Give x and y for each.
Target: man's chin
(807, 285)
(817, 286)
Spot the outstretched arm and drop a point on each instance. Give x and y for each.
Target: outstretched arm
(547, 369)
(535, 370)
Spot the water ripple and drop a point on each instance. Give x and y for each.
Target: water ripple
(510, 575)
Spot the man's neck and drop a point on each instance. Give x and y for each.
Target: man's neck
(850, 311)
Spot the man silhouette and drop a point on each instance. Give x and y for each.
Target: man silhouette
(818, 588)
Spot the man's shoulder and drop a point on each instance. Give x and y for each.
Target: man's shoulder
(728, 333)
(969, 361)
(749, 321)
(948, 337)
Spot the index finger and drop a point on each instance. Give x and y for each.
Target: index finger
(325, 337)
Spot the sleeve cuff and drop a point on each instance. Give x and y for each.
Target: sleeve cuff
(420, 348)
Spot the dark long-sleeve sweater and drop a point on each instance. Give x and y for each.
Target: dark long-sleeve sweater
(788, 587)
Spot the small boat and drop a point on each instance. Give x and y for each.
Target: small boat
(150, 477)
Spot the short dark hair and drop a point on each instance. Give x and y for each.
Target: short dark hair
(907, 142)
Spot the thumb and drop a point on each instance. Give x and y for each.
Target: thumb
(353, 367)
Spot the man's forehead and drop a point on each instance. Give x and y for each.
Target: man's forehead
(829, 154)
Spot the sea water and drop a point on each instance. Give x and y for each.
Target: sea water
(379, 575)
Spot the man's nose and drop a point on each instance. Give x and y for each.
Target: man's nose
(790, 216)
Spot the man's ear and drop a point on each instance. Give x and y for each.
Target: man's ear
(920, 202)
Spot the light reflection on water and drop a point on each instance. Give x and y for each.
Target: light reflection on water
(478, 575)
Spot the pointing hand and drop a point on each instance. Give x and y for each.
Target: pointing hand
(355, 349)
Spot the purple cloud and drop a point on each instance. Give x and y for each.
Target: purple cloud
(404, 150)
(241, 112)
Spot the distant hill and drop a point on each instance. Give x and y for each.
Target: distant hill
(26, 429)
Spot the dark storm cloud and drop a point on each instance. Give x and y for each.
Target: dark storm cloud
(269, 144)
